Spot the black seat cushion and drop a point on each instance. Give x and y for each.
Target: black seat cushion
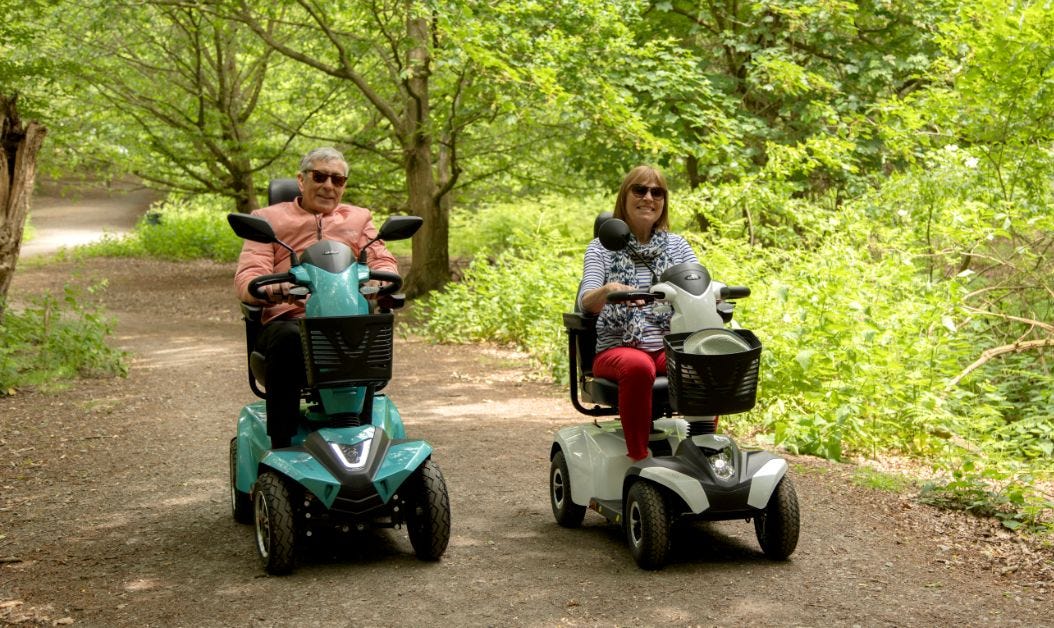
(605, 392)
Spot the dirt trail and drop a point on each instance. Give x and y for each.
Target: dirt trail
(114, 512)
(71, 215)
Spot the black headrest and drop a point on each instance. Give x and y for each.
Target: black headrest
(282, 190)
(601, 219)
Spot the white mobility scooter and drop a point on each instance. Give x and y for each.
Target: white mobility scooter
(692, 472)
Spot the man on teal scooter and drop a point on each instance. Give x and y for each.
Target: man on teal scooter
(316, 214)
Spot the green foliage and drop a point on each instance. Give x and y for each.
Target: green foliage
(511, 298)
(174, 229)
(56, 339)
(1005, 491)
(550, 221)
(870, 478)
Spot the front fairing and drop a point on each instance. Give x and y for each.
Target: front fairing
(329, 271)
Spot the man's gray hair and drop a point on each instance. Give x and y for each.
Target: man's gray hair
(322, 155)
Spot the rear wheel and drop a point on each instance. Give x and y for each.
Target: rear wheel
(275, 528)
(428, 521)
(647, 525)
(777, 527)
(241, 502)
(566, 512)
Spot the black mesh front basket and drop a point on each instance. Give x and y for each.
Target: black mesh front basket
(702, 385)
(347, 350)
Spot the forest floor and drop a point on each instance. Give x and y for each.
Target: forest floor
(114, 504)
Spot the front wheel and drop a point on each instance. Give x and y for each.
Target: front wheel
(275, 528)
(567, 513)
(428, 520)
(647, 525)
(777, 527)
(241, 503)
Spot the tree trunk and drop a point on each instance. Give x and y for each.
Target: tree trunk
(244, 189)
(18, 160)
(431, 259)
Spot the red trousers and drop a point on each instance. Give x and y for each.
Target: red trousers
(634, 371)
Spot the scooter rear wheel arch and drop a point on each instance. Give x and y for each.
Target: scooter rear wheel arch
(566, 512)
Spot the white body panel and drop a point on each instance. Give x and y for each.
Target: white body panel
(764, 482)
(691, 312)
(596, 460)
(684, 485)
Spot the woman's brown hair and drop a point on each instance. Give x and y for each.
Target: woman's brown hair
(638, 175)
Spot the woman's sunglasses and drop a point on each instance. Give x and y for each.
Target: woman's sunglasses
(640, 191)
(320, 177)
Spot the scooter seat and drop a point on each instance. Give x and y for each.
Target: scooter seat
(605, 392)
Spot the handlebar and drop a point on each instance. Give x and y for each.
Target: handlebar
(735, 292)
(267, 280)
(394, 281)
(623, 296)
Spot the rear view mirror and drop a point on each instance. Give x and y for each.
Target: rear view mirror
(614, 234)
(252, 228)
(399, 227)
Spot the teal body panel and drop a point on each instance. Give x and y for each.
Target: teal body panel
(333, 294)
(400, 461)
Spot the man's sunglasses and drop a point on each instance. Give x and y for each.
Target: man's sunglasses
(320, 177)
(640, 191)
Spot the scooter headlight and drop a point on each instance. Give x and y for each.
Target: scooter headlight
(722, 464)
(352, 456)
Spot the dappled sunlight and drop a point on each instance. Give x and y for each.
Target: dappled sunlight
(142, 584)
(180, 351)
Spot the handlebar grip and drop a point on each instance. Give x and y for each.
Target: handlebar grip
(394, 281)
(622, 296)
(735, 292)
(267, 280)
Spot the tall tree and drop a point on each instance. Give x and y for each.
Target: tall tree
(20, 140)
(190, 102)
(786, 72)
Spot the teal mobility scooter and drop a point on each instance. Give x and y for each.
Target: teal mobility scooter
(693, 473)
(350, 467)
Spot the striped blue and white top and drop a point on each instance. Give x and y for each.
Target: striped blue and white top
(594, 274)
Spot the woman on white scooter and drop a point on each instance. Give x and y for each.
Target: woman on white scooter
(629, 336)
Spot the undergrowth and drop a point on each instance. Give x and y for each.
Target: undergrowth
(173, 229)
(56, 338)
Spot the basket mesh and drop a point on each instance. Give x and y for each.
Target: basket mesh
(347, 350)
(712, 384)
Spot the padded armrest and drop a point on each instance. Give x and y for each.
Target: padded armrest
(251, 313)
(578, 321)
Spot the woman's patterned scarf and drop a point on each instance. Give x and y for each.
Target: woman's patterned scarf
(631, 320)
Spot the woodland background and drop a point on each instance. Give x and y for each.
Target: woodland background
(879, 172)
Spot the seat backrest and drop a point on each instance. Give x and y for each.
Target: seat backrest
(282, 191)
(601, 218)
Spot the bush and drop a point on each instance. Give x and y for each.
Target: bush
(55, 339)
(174, 229)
